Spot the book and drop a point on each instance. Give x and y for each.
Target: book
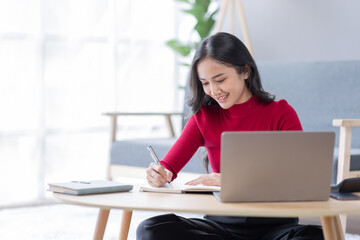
(89, 187)
(178, 187)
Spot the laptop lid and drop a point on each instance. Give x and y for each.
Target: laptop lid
(276, 166)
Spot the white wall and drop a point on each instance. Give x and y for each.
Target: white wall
(302, 30)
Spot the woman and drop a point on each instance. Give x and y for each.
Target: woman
(227, 95)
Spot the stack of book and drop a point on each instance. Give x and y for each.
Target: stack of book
(89, 187)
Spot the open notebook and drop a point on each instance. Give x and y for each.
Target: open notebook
(179, 187)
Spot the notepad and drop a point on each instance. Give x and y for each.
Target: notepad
(89, 187)
(178, 187)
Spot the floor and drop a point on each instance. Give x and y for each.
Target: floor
(63, 222)
(352, 223)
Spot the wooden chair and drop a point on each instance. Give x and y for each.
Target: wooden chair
(344, 171)
(115, 170)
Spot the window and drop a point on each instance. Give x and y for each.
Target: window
(63, 63)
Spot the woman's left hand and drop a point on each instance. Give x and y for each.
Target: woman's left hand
(212, 179)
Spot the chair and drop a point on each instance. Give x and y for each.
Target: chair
(118, 168)
(346, 160)
(119, 165)
(128, 156)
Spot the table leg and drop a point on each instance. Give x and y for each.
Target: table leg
(101, 224)
(332, 228)
(125, 224)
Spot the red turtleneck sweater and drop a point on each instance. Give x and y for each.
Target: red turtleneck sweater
(205, 128)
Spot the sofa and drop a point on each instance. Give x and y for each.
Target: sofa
(318, 91)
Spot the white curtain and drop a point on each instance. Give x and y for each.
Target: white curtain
(62, 64)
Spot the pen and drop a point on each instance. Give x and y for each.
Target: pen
(154, 157)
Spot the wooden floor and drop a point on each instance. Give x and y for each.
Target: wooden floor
(353, 223)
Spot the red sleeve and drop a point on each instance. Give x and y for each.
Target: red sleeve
(184, 148)
(288, 118)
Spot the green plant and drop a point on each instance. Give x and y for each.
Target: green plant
(199, 9)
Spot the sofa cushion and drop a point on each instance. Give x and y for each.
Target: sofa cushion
(134, 153)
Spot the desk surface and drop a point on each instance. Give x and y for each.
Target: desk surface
(208, 204)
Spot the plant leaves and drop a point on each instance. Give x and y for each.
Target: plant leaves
(204, 27)
(199, 9)
(183, 49)
(185, 64)
(196, 11)
(204, 4)
(184, 1)
(212, 15)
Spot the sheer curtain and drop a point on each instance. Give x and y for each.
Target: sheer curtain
(62, 64)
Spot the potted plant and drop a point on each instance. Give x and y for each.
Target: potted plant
(199, 9)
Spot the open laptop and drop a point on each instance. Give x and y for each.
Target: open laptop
(276, 166)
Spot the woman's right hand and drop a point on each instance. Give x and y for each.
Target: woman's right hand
(157, 176)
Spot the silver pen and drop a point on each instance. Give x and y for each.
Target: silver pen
(155, 158)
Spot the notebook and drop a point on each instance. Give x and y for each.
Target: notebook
(276, 166)
(179, 187)
(89, 187)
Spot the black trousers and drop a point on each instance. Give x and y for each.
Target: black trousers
(171, 226)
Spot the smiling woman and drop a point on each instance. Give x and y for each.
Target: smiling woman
(227, 96)
(223, 83)
(227, 72)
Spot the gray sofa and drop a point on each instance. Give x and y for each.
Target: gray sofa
(318, 91)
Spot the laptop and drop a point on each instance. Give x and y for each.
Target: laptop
(276, 166)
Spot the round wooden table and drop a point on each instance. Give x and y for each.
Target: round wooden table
(329, 211)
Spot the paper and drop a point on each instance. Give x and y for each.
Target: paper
(178, 187)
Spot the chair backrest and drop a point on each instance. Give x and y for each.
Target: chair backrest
(186, 108)
(318, 91)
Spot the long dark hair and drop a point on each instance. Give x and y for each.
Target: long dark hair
(228, 50)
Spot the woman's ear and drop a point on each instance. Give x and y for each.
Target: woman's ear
(247, 71)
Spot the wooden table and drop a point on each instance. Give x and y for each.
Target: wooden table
(207, 204)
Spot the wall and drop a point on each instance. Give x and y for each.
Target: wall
(302, 30)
